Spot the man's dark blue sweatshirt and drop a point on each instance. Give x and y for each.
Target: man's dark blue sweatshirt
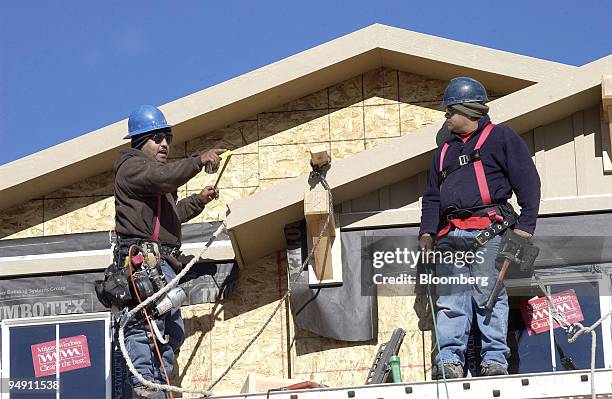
(508, 167)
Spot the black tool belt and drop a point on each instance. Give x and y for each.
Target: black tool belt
(171, 250)
(506, 219)
(461, 162)
(116, 288)
(123, 245)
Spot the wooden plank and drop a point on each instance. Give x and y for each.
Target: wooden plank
(331, 272)
(317, 209)
(322, 253)
(316, 203)
(320, 156)
(256, 383)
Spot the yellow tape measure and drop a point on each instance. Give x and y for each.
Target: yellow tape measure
(225, 157)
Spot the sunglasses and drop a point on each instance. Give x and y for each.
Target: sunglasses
(159, 137)
(449, 112)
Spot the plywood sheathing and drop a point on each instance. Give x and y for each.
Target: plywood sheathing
(85, 206)
(213, 340)
(23, 220)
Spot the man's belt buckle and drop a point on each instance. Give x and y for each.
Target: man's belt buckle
(463, 160)
(482, 238)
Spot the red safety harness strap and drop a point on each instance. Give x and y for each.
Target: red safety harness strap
(481, 178)
(155, 235)
(474, 222)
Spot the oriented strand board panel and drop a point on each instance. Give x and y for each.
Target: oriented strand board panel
(318, 100)
(100, 185)
(382, 121)
(348, 93)
(241, 171)
(193, 365)
(295, 127)
(347, 123)
(21, 221)
(381, 86)
(285, 161)
(214, 341)
(417, 88)
(416, 116)
(239, 137)
(76, 215)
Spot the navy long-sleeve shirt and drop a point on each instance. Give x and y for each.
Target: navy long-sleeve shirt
(508, 167)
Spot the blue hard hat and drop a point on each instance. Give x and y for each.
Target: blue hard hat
(464, 90)
(144, 119)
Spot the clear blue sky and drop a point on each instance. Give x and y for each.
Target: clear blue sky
(69, 67)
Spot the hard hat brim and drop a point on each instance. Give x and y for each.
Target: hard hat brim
(146, 130)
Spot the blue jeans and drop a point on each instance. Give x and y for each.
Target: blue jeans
(456, 304)
(139, 343)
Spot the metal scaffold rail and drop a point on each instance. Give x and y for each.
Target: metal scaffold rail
(561, 384)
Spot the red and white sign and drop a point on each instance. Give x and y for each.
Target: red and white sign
(73, 355)
(535, 311)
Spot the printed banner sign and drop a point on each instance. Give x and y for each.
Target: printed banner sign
(73, 353)
(536, 315)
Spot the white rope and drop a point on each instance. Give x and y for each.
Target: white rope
(562, 320)
(581, 330)
(153, 298)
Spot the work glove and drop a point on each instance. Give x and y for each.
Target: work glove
(424, 313)
(426, 242)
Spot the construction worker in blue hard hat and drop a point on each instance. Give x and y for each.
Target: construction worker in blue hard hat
(472, 176)
(148, 218)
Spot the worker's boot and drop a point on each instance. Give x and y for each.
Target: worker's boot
(492, 369)
(451, 370)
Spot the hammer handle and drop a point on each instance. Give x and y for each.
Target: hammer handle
(499, 284)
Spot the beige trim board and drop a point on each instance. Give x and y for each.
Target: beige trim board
(257, 222)
(272, 85)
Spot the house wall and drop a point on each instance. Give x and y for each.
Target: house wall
(269, 148)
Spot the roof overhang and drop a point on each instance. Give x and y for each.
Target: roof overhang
(256, 223)
(271, 86)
